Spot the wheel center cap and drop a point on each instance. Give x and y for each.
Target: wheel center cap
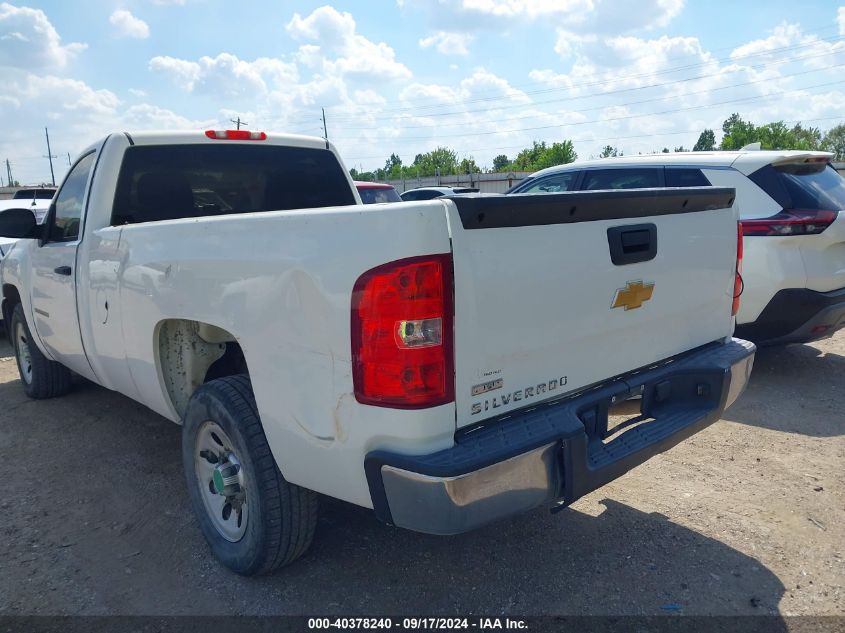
(217, 478)
(225, 478)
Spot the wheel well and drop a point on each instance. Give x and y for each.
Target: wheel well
(191, 353)
(11, 297)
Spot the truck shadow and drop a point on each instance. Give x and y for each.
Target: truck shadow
(621, 562)
(796, 389)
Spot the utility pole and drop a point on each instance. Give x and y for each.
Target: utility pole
(9, 172)
(68, 159)
(325, 129)
(50, 156)
(238, 122)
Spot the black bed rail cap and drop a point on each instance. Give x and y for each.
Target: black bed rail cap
(485, 211)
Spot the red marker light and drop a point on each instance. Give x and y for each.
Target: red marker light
(236, 135)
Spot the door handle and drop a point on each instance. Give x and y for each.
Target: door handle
(632, 243)
(63, 270)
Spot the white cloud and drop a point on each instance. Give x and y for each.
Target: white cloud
(789, 36)
(605, 16)
(841, 19)
(226, 74)
(29, 40)
(127, 25)
(166, 2)
(340, 50)
(135, 92)
(448, 43)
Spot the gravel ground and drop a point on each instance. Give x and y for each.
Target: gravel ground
(747, 517)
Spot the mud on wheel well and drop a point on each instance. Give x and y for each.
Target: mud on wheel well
(191, 353)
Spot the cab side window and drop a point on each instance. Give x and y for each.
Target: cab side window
(64, 226)
(552, 184)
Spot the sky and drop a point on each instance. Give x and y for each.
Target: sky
(482, 77)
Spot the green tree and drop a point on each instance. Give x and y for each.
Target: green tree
(393, 167)
(441, 158)
(527, 158)
(706, 141)
(665, 150)
(738, 132)
(501, 163)
(468, 166)
(806, 137)
(609, 152)
(834, 141)
(556, 154)
(680, 149)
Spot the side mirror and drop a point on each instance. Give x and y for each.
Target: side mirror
(18, 223)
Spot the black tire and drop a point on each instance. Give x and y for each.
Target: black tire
(281, 516)
(41, 377)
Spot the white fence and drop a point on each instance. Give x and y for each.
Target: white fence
(486, 183)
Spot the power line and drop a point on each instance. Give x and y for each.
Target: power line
(641, 75)
(602, 107)
(622, 118)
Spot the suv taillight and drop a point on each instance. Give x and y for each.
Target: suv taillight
(402, 331)
(738, 283)
(791, 222)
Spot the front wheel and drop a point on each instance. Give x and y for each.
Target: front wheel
(41, 377)
(253, 519)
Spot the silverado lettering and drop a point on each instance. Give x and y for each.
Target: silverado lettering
(518, 395)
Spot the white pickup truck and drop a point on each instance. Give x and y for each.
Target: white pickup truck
(447, 362)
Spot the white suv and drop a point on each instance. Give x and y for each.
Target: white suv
(791, 208)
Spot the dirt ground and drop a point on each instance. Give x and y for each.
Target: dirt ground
(747, 517)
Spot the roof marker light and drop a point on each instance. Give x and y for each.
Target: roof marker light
(235, 135)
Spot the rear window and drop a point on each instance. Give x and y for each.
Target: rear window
(685, 177)
(420, 195)
(167, 182)
(373, 196)
(803, 185)
(638, 178)
(37, 194)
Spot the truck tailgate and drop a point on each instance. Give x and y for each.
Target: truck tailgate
(542, 310)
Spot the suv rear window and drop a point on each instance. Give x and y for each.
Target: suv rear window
(637, 178)
(371, 195)
(37, 194)
(803, 185)
(167, 182)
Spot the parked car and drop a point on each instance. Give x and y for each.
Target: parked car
(429, 193)
(447, 368)
(37, 193)
(791, 206)
(376, 192)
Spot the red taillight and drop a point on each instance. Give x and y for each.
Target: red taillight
(402, 334)
(791, 222)
(235, 135)
(738, 287)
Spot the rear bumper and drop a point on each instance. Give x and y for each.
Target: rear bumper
(555, 453)
(797, 315)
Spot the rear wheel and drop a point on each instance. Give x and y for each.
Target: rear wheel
(41, 377)
(253, 519)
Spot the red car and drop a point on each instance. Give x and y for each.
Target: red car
(373, 192)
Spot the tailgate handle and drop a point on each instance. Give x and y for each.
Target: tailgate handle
(632, 243)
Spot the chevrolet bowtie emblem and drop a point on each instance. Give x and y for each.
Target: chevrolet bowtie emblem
(633, 295)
